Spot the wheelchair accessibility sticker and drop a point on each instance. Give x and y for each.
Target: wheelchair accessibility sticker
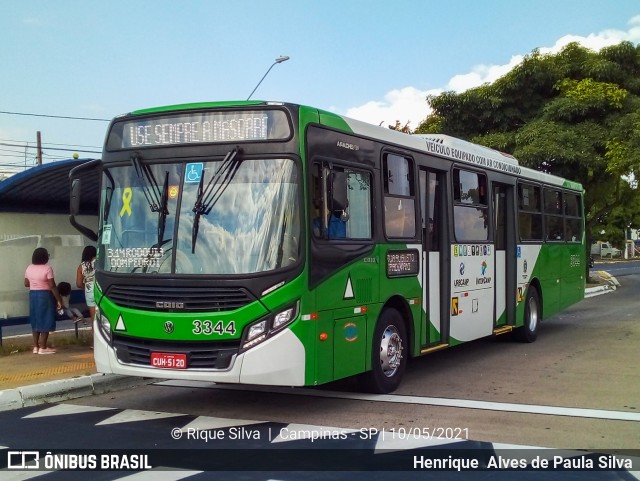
(193, 173)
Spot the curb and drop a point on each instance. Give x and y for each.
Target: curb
(596, 291)
(66, 389)
(610, 286)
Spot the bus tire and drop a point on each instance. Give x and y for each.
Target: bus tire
(529, 331)
(389, 354)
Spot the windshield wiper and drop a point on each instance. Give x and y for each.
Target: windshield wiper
(163, 212)
(208, 196)
(145, 177)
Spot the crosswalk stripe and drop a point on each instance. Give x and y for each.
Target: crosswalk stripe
(136, 415)
(65, 409)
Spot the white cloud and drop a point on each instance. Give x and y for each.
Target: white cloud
(481, 74)
(596, 41)
(408, 103)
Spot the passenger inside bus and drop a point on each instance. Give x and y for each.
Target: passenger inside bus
(337, 221)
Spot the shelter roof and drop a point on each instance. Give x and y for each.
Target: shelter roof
(44, 189)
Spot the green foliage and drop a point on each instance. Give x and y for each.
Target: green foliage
(575, 114)
(401, 128)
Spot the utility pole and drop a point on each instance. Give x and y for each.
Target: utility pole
(39, 149)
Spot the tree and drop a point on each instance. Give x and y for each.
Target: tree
(401, 128)
(575, 114)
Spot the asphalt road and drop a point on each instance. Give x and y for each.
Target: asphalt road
(576, 387)
(584, 359)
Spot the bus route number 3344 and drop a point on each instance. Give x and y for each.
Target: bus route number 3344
(209, 328)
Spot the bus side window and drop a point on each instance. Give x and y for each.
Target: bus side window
(399, 197)
(346, 202)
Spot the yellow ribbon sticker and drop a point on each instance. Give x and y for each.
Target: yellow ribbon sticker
(126, 201)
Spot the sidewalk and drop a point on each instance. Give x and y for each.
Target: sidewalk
(27, 379)
(25, 368)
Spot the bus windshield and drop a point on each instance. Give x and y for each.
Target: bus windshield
(207, 217)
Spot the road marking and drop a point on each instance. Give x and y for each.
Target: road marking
(429, 401)
(135, 415)
(66, 409)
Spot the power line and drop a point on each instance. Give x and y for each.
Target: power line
(54, 116)
(50, 148)
(50, 143)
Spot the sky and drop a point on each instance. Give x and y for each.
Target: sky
(368, 59)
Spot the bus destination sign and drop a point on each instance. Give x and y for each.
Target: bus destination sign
(403, 263)
(200, 128)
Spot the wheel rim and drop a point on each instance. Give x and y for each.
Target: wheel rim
(390, 351)
(533, 314)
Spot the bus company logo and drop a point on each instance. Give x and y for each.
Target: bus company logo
(168, 327)
(483, 271)
(169, 305)
(461, 282)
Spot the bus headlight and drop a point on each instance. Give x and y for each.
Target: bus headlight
(261, 330)
(285, 317)
(256, 334)
(103, 324)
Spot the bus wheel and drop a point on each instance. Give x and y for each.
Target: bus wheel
(529, 331)
(389, 354)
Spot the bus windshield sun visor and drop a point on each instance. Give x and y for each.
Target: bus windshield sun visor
(209, 195)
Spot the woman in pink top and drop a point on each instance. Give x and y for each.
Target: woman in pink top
(42, 309)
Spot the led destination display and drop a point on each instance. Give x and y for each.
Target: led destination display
(200, 127)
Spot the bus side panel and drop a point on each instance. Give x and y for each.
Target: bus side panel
(472, 291)
(528, 269)
(549, 271)
(344, 304)
(573, 275)
(350, 342)
(349, 304)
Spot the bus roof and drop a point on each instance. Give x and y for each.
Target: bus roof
(460, 151)
(437, 144)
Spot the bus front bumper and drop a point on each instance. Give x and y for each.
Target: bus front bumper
(278, 361)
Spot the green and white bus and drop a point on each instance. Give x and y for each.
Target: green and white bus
(278, 244)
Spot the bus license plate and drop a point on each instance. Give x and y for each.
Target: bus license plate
(165, 360)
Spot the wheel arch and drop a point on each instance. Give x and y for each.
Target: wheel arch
(401, 305)
(535, 283)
